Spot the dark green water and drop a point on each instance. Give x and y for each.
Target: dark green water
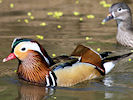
(116, 85)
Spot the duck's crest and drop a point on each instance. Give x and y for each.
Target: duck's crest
(16, 41)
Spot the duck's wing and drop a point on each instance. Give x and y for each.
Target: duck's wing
(87, 55)
(64, 58)
(64, 61)
(105, 54)
(83, 50)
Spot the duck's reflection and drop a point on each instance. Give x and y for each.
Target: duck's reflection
(31, 92)
(108, 81)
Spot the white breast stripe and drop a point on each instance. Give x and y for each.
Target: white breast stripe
(52, 78)
(47, 81)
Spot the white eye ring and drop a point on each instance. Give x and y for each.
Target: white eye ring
(119, 9)
(23, 49)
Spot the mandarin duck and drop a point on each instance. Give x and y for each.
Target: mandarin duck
(122, 14)
(36, 66)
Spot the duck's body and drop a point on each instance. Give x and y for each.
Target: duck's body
(37, 67)
(122, 14)
(76, 73)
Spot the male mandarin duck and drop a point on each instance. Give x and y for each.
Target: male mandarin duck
(36, 66)
(123, 16)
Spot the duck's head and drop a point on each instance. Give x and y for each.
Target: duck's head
(119, 12)
(22, 48)
(34, 62)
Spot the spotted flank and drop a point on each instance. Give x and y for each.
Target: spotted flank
(51, 79)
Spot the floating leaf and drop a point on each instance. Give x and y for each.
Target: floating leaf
(32, 17)
(1, 1)
(76, 13)
(88, 38)
(81, 19)
(107, 5)
(43, 24)
(26, 21)
(29, 13)
(90, 16)
(15, 71)
(98, 49)
(57, 14)
(19, 20)
(40, 37)
(54, 97)
(131, 50)
(59, 26)
(102, 23)
(54, 55)
(102, 2)
(77, 2)
(129, 59)
(50, 13)
(11, 5)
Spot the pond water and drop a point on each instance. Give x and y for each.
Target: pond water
(14, 22)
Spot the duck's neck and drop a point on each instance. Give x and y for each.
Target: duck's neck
(124, 33)
(48, 59)
(126, 23)
(34, 69)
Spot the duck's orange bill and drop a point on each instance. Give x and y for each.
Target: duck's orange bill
(109, 14)
(10, 57)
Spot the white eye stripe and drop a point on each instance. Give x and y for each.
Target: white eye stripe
(32, 46)
(121, 10)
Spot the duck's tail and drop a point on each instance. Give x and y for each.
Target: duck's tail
(109, 63)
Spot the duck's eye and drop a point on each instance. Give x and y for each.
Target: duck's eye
(23, 49)
(119, 9)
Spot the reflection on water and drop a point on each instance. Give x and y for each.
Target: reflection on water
(30, 92)
(108, 81)
(116, 85)
(103, 88)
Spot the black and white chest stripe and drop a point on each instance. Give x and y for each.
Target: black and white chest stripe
(51, 79)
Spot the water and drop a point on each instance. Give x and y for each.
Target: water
(116, 85)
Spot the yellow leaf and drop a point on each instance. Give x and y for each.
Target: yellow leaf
(76, 13)
(32, 17)
(26, 21)
(18, 20)
(29, 13)
(81, 19)
(43, 24)
(102, 23)
(11, 5)
(129, 59)
(50, 13)
(40, 37)
(59, 26)
(54, 55)
(98, 49)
